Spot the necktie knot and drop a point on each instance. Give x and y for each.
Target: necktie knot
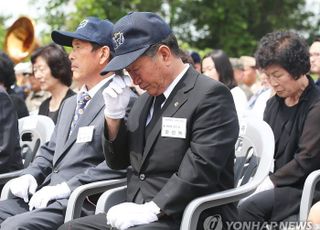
(84, 98)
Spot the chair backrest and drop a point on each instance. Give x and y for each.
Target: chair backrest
(254, 158)
(34, 131)
(254, 147)
(308, 193)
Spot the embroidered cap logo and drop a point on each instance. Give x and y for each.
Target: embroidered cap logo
(118, 39)
(82, 24)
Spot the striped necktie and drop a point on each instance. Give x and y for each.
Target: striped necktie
(81, 104)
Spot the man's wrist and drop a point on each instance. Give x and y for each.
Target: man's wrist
(112, 128)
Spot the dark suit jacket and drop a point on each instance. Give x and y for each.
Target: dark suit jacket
(62, 159)
(173, 171)
(10, 151)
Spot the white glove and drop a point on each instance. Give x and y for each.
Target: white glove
(23, 186)
(125, 215)
(41, 198)
(116, 97)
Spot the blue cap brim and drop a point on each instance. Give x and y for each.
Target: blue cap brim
(122, 61)
(65, 38)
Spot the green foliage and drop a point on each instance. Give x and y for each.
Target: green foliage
(111, 9)
(234, 26)
(237, 26)
(3, 31)
(61, 18)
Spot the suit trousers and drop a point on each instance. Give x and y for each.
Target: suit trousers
(258, 207)
(99, 221)
(15, 215)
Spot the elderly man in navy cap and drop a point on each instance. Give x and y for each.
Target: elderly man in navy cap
(178, 142)
(73, 156)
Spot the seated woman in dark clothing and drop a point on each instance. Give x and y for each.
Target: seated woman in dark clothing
(8, 80)
(52, 67)
(294, 116)
(10, 151)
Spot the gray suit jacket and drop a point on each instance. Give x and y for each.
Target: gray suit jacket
(62, 159)
(173, 171)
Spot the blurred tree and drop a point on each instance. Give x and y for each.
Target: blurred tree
(61, 18)
(3, 30)
(111, 9)
(234, 26)
(237, 26)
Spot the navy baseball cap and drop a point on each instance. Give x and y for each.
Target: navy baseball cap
(133, 34)
(91, 29)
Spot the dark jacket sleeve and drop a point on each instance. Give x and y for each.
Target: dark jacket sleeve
(10, 152)
(119, 145)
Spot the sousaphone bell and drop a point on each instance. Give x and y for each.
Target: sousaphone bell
(20, 39)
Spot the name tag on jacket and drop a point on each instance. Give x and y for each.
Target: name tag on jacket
(174, 127)
(85, 134)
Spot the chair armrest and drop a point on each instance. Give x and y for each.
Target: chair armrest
(307, 194)
(110, 198)
(77, 197)
(6, 193)
(193, 210)
(5, 177)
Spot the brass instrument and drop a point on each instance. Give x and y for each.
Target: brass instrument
(20, 39)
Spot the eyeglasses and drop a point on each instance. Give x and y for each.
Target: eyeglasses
(275, 77)
(39, 69)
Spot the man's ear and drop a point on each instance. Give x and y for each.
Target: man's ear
(104, 54)
(164, 52)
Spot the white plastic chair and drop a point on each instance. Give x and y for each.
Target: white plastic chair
(254, 154)
(309, 188)
(78, 196)
(34, 131)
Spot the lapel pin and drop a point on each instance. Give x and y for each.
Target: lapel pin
(176, 104)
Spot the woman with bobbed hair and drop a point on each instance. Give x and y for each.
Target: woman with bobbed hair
(52, 67)
(217, 65)
(293, 114)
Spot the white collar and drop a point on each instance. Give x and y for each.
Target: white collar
(168, 91)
